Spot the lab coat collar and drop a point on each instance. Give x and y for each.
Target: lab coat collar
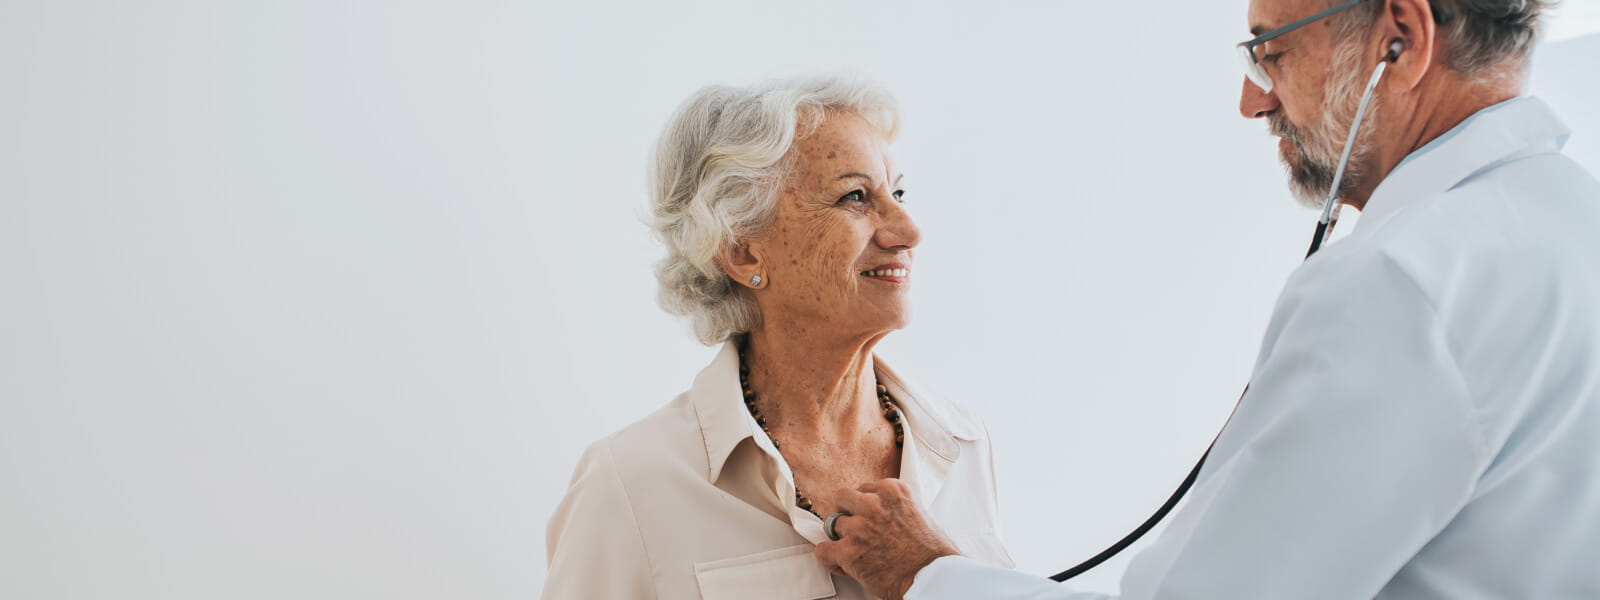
(725, 422)
(1500, 133)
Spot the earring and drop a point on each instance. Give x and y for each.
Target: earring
(755, 281)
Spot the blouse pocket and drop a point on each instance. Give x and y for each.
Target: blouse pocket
(783, 574)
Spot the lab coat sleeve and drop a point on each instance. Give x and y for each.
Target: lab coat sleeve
(959, 577)
(1354, 446)
(594, 546)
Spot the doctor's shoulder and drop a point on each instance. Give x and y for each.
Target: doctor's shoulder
(1515, 231)
(1528, 222)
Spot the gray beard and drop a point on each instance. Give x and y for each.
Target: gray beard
(1314, 154)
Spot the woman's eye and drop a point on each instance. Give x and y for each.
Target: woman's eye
(900, 196)
(855, 196)
(1272, 58)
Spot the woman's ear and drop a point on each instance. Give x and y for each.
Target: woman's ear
(742, 262)
(1411, 23)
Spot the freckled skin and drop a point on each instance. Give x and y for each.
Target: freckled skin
(811, 363)
(818, 247)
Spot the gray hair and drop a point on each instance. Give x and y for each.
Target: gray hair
(1480, 36)
(717, 170)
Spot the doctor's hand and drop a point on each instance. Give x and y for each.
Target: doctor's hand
(884, 541)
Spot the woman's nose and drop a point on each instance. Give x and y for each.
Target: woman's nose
(898, 231)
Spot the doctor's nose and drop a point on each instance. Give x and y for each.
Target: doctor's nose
(1254, 103)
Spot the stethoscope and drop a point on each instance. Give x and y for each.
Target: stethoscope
(1325, 224)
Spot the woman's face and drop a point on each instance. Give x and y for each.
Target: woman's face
(838, 255)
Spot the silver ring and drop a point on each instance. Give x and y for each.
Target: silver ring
(827, 526)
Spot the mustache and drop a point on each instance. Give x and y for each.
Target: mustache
(1279, 126)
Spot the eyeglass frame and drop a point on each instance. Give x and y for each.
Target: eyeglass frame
(1247, 48)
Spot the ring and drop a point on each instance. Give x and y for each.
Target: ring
(827, 526)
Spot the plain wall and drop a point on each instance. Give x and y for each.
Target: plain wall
(324, 299)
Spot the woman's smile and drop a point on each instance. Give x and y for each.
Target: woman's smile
(896, 273)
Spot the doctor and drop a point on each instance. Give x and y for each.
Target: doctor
(1423, 419)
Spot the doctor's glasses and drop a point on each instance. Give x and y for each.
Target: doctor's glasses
(1250, 51)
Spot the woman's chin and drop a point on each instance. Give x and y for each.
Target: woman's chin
(900, 319)
(885, 324)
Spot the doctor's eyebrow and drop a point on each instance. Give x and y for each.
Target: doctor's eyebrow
(1258, 30)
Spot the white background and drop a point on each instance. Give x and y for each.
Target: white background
(323, 299)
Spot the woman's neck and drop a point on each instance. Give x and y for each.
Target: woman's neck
(812, 387)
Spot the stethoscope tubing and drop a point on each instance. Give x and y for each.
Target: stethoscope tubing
(1325, 224)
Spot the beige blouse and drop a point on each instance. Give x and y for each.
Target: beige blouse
(693, 501)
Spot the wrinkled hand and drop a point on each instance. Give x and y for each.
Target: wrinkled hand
(885, 541)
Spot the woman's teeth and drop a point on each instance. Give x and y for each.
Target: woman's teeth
(887, 273)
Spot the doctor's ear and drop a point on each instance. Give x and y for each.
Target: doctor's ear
(1407, 32)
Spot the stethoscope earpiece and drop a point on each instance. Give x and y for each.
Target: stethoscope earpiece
(1396, 46)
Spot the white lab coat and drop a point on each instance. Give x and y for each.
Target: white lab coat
(1423, 420)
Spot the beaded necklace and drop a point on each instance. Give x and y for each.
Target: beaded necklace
(891, 413)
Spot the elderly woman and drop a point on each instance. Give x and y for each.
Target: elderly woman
(789, 243)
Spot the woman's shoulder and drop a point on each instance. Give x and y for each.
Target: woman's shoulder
(957, 417)
(665, 444)
(610, 513)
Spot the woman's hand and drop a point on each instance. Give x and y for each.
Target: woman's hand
(884, 541)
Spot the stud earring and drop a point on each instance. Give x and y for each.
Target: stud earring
(755, 281)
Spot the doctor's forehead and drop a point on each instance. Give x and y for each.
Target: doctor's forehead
(1266, 15)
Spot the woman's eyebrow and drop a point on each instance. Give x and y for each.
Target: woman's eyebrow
(869, 177)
